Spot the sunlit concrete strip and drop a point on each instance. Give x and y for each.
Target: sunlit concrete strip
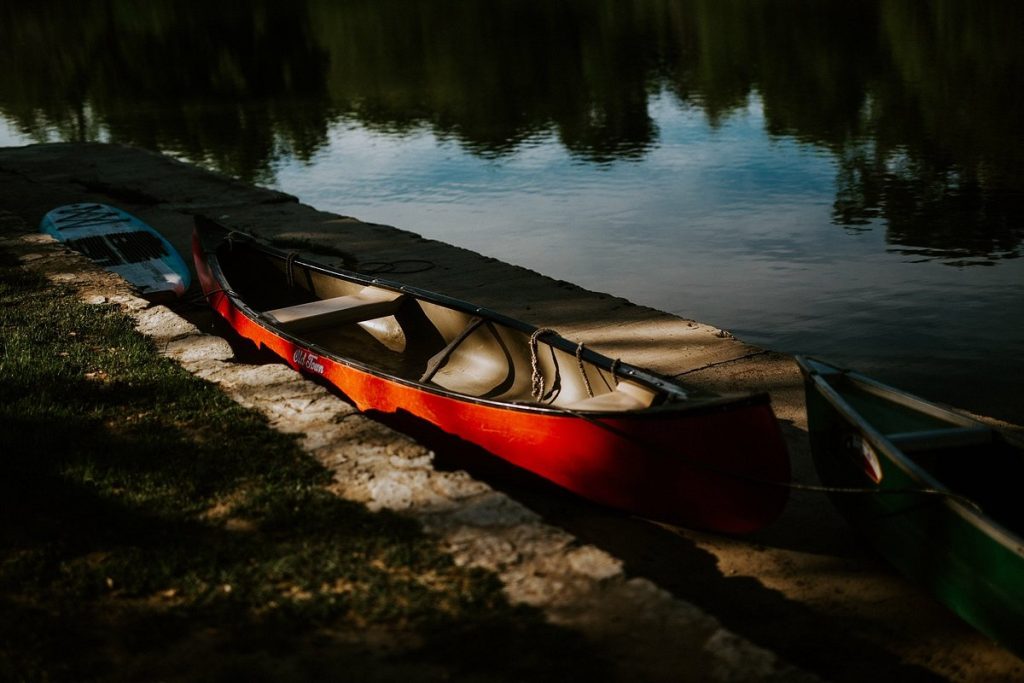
(648, 633)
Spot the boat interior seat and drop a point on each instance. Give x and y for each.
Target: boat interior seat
(937, 439)
(367, 304)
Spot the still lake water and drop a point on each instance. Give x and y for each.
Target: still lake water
(814, 177)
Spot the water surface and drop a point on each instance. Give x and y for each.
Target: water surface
(840, 179)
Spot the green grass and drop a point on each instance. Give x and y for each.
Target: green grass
(151, 528)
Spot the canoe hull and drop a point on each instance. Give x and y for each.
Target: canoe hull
(703, 468)
(971, 564)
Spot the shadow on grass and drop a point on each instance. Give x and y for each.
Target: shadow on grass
(153, 529)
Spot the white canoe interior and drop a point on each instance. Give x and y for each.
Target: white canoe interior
(420, 340)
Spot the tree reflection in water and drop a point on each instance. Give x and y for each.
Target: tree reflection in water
(919, 103)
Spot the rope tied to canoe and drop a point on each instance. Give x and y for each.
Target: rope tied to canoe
(289, 267)
(538, 389)
(817, 488)
(536, 374)
(583, 371)
(203, 299)
(230, 238)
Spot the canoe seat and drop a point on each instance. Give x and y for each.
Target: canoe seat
(367, 304)
(936, 439)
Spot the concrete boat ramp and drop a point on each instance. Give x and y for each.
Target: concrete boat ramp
(800, 600)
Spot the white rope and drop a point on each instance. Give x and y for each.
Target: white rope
(583, 371)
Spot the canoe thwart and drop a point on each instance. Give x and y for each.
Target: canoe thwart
(936, 439)
(367, 304)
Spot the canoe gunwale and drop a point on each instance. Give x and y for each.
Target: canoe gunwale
(895, 455)
(653, 412)
(549, 338)
(675, 400)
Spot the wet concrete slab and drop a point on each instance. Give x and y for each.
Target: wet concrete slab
(805, 588)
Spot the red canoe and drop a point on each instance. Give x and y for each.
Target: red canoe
(606, 430)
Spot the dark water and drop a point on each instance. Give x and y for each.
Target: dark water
(838, 178)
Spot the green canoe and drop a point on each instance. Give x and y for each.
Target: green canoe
(943, 498)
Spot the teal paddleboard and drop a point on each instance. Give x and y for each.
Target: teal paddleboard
(121, 243)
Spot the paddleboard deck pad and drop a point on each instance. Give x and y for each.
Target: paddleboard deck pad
(121, 243)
